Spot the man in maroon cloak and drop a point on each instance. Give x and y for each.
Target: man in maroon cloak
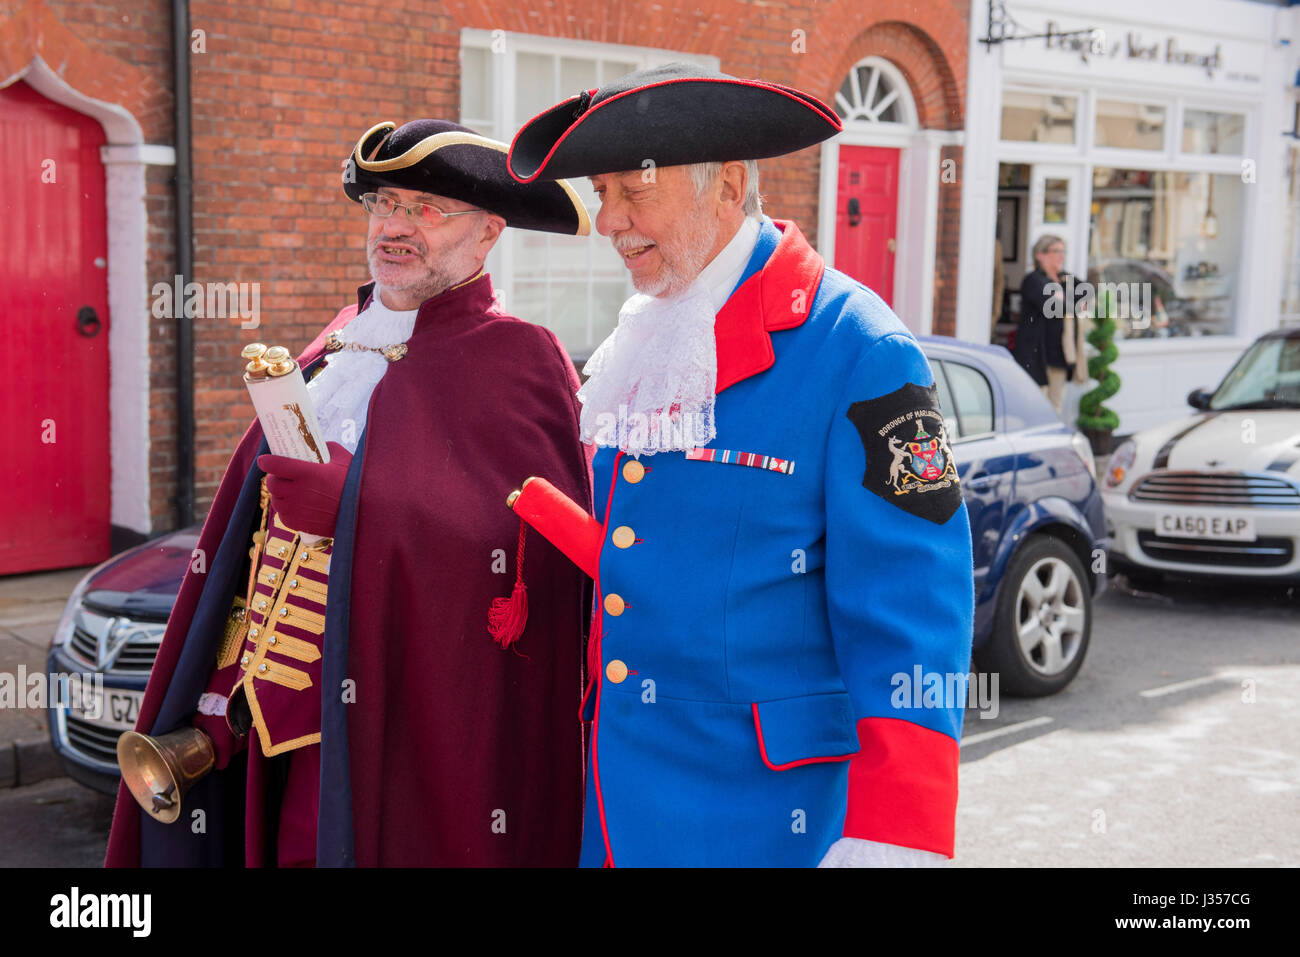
(375, 719)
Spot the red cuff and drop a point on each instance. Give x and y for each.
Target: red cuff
(903, 786)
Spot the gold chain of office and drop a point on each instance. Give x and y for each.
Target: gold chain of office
(392, 353)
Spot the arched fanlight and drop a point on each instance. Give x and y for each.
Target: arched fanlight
(871, 94)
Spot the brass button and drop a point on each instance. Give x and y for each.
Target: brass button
(244, 660)
(614, 604)
(261, 606)
(294, 583)
(271, 640)
(633, 471)
(615, 671)
(272, 577)
(281, 551)
(262, 668)
(623, 537)
(303, 558)
(255, 632)
(284, 612)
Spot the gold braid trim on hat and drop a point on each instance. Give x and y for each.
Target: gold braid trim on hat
(431, 144)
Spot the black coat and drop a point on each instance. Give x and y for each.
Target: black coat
(1039, 336)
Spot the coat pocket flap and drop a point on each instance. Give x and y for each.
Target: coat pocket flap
(805, 730)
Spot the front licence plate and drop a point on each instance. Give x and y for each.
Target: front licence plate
(110, 708)
(1233, 528)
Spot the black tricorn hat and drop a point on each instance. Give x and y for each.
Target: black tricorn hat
(673, 114)
(446, 159)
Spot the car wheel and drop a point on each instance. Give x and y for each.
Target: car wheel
(1042, 621)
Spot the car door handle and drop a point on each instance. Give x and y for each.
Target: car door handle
(981, 483)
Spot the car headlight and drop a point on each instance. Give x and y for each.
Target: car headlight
(1083, 448)
(71, 610)
(1120, 463)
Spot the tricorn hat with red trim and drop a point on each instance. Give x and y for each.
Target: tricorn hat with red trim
(446, 159)
(669, 115)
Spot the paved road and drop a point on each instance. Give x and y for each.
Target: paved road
(1177, 744)
(56, 823)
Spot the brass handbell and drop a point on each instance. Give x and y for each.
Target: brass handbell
(159, 771)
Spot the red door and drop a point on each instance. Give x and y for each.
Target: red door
(866, 215)
(54, 506)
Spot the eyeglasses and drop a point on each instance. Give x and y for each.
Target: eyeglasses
(422, 214)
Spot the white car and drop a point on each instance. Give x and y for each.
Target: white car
(1216, 494)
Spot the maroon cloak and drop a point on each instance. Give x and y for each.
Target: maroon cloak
(454, 750)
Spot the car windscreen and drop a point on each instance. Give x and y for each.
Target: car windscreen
(1267, 376)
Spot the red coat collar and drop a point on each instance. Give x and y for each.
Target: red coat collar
(776, 297)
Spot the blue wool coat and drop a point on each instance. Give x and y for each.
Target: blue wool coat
(754, 617)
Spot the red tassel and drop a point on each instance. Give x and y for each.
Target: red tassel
(508, 616)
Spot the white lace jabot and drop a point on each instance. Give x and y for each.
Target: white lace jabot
(341, 393)
(652, 381)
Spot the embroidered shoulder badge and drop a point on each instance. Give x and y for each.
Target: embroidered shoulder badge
(909, 463)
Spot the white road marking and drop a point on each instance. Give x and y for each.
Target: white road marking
(1009, 729)
(1179, 686)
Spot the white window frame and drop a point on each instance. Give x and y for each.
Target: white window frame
(1166, 148)
(1048, 151)
(500, 126)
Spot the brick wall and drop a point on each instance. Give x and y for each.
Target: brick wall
(282, 89)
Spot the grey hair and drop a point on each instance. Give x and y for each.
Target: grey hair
(1044, 243)
(703, 174)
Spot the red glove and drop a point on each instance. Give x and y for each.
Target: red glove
(306, 494)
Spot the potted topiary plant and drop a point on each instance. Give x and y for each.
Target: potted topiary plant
(1096, 421)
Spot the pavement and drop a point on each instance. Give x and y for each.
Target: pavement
(30, 608)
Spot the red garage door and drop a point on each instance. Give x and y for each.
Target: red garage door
(54, 425)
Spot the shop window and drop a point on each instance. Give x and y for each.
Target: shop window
(1130, 126)
(573, 285)
(1211, 133)
(1167, 246)
(1038, 117)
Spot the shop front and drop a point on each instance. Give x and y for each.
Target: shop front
(1150, 142)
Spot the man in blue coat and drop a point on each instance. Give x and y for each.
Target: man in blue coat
(780, 547)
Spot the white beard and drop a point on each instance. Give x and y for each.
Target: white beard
(652, 382)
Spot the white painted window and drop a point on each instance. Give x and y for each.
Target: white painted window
(573, 285)
(875, 95)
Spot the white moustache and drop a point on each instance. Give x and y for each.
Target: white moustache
(623, 244)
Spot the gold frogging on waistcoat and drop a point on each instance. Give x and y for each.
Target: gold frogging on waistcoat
(264, 651)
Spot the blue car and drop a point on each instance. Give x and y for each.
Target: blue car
(1037, 525)
(1036, 521)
